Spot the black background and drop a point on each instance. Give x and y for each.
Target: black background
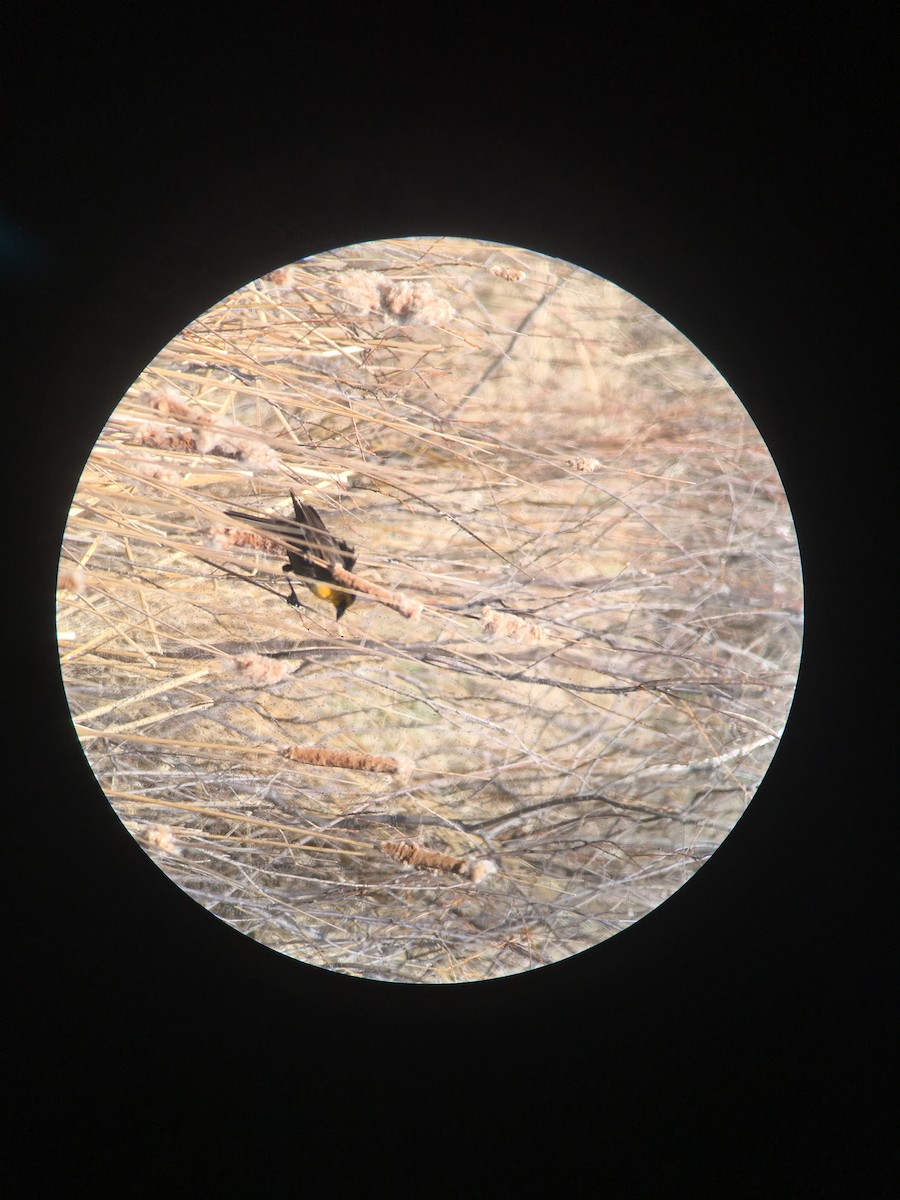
(727, 171)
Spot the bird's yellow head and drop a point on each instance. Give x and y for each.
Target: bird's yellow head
(334, 595)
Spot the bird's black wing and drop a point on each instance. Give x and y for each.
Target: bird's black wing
(333, 551)
(311, 549)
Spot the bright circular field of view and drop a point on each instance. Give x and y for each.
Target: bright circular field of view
(429, 610)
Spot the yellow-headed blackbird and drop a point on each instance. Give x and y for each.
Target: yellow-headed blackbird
(312, 553)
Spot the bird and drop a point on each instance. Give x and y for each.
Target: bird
(312, 552)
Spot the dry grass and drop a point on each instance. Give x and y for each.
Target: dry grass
(610, 611)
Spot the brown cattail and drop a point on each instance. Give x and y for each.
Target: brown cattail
(411, 854)
(168, 403)
(259, 671)
(411, 609)
(509, 626)
(155, 437)
(406, 302)
(71, 579)
(162, 838)
(351, 760)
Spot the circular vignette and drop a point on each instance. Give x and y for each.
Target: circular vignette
(429, 610)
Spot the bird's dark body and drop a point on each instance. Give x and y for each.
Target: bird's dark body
(312, 552)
